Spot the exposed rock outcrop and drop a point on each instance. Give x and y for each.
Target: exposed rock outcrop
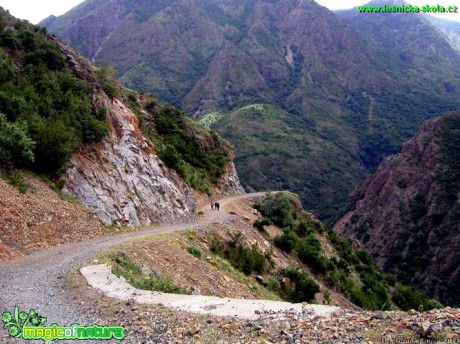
(407, 214)
(230, 183)
(123, 180)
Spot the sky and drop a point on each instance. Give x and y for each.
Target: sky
(37, 10)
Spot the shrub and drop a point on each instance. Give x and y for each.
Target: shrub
(93, 130)
(17, 179)
(38, 88)
(247, 259)
(269, 257)
(8, 38)
(309, 251)
(55, 145)
(124, 266)
(217, 247)
(196, 154)
(303, 228)
(110, 89)
(278, 209)
(261, 223)
(169, 155)
(274, 285)
(288, 241)
(407, 298)
(16, 147)
(194, 251)
(304, 289)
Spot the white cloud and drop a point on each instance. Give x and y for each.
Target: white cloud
(37, 10)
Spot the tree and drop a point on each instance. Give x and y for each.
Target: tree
(16, 147)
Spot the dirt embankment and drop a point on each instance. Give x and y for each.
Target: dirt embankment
(39, 219)
(208, 273)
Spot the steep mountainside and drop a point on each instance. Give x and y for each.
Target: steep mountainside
(66, 119)
(451, 29)
(249, 255)
(408, 214)
(310, 101)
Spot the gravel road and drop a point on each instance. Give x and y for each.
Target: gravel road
(37, 281)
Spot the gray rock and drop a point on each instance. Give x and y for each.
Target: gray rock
(425, 328)
(230, 183)
(124, 181)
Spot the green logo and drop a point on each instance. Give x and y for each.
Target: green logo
(29, 326)
(14, 323)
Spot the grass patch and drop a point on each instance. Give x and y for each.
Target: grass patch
(61, 194)
(224, 265)
(210, 118)
(191, 235)
(124, 266)
(194, 251)
(16, 178)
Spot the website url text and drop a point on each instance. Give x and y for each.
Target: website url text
(408, 9)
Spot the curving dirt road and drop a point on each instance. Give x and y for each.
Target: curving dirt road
(37, 281)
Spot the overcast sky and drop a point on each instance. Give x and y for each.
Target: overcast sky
(37, 10)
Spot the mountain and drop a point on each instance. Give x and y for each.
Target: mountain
(450, 28)
(71, 122)
(408, 214)
(311, 101)
(304, 264)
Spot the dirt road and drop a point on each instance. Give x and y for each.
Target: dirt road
(36, 281)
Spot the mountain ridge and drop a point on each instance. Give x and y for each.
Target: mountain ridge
(71, 121)
(352, 95)
(412, 202)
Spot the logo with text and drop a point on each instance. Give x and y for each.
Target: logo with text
(30, 326)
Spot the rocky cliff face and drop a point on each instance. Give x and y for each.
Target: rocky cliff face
(230, 183)
(407, 214)
(302, 94)
(121, 178)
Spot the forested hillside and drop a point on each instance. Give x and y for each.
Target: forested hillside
(311, 101)
(413, 203)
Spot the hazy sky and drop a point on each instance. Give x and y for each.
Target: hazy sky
(37, 10)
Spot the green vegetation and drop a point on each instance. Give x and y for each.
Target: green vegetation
(434, 215)
(209, 119)
(45, 111)
(275, 149)
(351, 272)
(16, 147)
(124, 266)
(261, 223)
(197, 154)
(106, 77)
(194, 251)
(450, 143)
(304, 288)
(246, 259)
(408, 298)
(301, 117)
(16, 178)
(217, 246)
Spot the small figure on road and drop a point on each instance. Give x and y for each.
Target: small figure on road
(212, 206)
(216, 206)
